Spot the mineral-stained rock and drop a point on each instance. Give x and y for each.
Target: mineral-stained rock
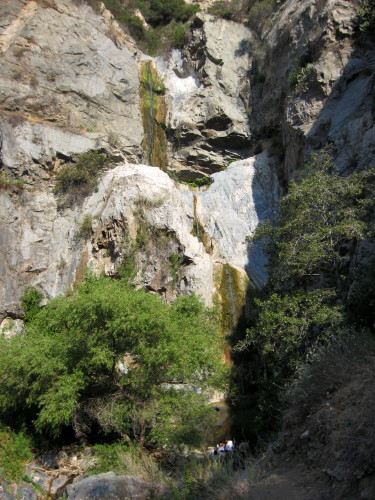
(138, 212)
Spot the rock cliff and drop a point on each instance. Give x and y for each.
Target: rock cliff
(243, 106)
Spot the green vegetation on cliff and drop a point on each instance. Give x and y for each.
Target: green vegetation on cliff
(366, 16)
(166, 21)
(314, 291)
(75, 181)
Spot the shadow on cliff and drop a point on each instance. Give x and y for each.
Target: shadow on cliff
(345, 123)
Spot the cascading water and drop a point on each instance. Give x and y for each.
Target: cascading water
(153, 110)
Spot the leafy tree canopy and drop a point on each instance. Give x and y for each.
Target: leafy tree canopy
(310, 246)
(322, 212)
(109, 356)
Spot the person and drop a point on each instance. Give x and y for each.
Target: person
(229, 446)
(221, 447)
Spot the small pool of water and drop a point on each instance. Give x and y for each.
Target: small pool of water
(231, 423)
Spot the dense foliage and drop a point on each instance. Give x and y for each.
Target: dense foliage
(166, 21)
(14, 453)
(257, 13)
(308, 299)
(366, 16)
(106, 359)
(319, 219)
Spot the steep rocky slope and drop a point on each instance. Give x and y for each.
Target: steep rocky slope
(245, 106)
(314, 85)
(73, 81)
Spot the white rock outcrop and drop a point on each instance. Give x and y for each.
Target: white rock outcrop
(50, 253)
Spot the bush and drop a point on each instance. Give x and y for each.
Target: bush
(223, 9)
(30, 303)
(178, 36)
(366, 16)
(260, 14)
(14, 453)
(106, 458)
(109, 356)
(298, 78)
(165, 17)
(7, 182)
(85, 226)
(161, 12)
(76, 181)
(199, 182)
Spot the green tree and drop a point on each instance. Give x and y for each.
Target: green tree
(318, 222)
(305, 301)
(112, 356)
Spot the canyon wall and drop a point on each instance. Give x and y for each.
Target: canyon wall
(243, 107)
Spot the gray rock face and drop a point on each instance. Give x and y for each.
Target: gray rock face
(315, 85)
(69, 83)
(209, 95)
(112, 487)
(241, 197)
(21, 491)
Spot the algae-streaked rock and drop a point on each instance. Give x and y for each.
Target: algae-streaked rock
(49, 251)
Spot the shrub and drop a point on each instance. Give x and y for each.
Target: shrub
(14, 453)
(366, 16)
(165, 17)
(7, 182)
(30, 303)
(201, 181)
(113, 139)
(222, 9)
(85, 226)
(80, 179)
(137, 462)
(234, 10)
(298, 78)
(260, 14)
(178, 36)
(161, 12)
(106, 458)
(110, 356)
(175, 262)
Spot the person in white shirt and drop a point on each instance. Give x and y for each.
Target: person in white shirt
(229, 445)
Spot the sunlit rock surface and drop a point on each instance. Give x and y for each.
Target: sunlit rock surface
(143, 205)
(68, 83)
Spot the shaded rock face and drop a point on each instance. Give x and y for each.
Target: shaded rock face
(313, 85)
